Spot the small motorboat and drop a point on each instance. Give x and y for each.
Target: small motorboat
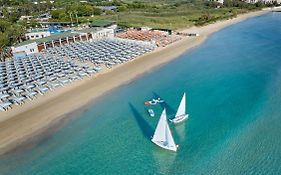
(151, 112)
(151, 102)
(154, 101)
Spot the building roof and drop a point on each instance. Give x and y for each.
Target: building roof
(107, 7)
(88, 30)
(38, 30)
(47, 39)
(25, 43)
(57, 36)
(53, 22)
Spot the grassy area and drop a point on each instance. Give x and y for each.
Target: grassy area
(171, 14)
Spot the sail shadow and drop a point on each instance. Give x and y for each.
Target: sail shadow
(169, 110)
(146, 129)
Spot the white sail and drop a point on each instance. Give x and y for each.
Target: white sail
(181, 109)
(180, 115)
(169, 137)
(162, 135)
(160, 132)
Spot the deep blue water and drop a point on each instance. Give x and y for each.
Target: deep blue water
(233, 86)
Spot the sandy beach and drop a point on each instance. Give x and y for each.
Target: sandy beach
(35, 117)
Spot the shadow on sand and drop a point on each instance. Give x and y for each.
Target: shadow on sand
(146, 129)
(169, 110)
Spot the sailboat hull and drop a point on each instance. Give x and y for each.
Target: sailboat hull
(180, 119)
(162, 145)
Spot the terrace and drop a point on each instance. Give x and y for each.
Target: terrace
(161, 38)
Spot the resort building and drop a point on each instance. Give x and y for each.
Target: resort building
(35, 46)
(44, 17)
(263, 1)
(251, 1)
(27, 18)
(220, 1)
(28, 49)
(109, 8)
(36, 34)
(47, 24)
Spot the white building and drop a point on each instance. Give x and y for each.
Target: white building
(271, 1)
(35, 46)
(263, 1)
(37, 34)
(29, 49)
(220, 1)
(44, 17)
(113, 26)
(103, 33)
(28, 18)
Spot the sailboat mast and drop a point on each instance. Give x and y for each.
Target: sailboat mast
(181, 108)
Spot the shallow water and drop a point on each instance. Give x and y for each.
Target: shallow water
(233, 98)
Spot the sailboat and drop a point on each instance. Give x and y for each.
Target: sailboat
(162, 135)
(181, 114)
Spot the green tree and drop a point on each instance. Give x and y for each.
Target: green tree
(97, 11)
(4, 40)
(86, 10)
(15, 34)
(4, 25)
(10, 33)
(122, 8)
(32, 23)
(58, 14)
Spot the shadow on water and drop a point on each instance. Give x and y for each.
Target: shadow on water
(169, 110)
(146, 129)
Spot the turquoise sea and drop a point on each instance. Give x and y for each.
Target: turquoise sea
(233, 86)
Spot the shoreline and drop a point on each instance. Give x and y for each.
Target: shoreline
(23, 123)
